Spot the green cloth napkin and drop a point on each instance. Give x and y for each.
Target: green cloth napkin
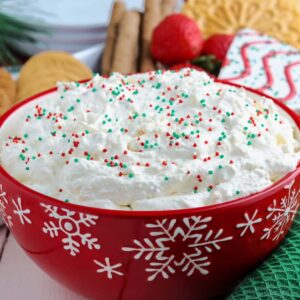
(279, 276)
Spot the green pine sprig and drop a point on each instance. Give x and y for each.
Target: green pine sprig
(13, 29)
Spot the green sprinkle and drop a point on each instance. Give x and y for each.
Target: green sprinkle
(237, 192)
(115, 92)
(210, 172)
(27, 168)
(203, 102)
(71, 108)
(176, 135)
(78, 100)
(166, 178)
(220, 166)
(76, 160)
(130, 175)
(25, 136)
(249, 143)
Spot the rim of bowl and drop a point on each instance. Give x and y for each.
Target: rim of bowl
(158, 213)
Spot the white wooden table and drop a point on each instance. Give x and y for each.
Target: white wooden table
(20, 278)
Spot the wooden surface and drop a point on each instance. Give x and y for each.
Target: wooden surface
(21, 279)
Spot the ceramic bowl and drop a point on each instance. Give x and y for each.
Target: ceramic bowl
(190, 254)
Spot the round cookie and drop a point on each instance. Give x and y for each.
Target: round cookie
(7, 85)
(43, 70)
(5, 102)
(278, 18)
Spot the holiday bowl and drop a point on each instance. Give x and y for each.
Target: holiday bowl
(190, 254)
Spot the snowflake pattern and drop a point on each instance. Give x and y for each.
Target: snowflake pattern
(107, 268)
(161, 252)
(249, 224)
(22, 213)
(69, 224)
(3, 202)
(282, 213)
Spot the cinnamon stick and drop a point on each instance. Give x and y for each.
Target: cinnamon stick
(112, 31)
(167, 7)
(126, 48)
(152, 17)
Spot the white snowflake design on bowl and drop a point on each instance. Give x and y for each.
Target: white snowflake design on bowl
(3, 202)
(282, 213)
(69, 224)
(192, 234)
(108, 268)
(23, 214)
(249, 223)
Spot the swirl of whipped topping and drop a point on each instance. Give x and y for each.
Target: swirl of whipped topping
(153, 141)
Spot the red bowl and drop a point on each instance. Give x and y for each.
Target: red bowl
(198, 253)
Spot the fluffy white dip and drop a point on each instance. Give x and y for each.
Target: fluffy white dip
(153, 141)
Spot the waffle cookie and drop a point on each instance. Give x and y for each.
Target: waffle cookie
(278, 18)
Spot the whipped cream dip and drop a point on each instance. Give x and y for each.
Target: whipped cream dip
(152, 141)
